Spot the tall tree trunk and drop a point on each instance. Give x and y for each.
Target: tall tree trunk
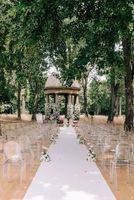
(112, 105)
(34, 110)
(84, 85)
(120, 110)
(113, 96)
(128, 124)
(118, 106)
(36, 100)
(97, 109)
(19, 101)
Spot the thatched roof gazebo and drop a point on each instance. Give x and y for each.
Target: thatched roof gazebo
(54, 88)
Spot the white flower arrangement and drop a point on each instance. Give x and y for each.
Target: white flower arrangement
(47, 111)
(53, 139)
(44, 155)
(77, 111)
(78, 136)
(56, 136)
(69, 111)
(82, 140)
(55, 108)
(56, 111)
(91, 154)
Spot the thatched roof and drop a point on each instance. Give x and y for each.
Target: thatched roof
(52, 81)
(75, 84)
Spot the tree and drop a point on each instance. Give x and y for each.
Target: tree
(32, 23)
(84, 86)
(30, 26)
(36, 82)
(99, 96)
(115, 25)
(116, 77)
(85, 83)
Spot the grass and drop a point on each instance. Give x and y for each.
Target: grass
(101, 119)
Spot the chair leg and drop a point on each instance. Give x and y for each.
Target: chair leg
(116, 179)
(22, 171)
(128, 173)
(6, 170)
(111, 172)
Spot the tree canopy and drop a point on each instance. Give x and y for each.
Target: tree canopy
(76, 35)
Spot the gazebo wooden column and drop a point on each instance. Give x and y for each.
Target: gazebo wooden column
(56, 99)
(66, 102)
(77, 100)
(47, 98)
(69, 99)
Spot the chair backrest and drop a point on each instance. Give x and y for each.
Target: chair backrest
(11, 149)
(24, 142)
(123, 151)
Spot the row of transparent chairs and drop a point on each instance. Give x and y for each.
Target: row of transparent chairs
(22, 149)
(112, 147)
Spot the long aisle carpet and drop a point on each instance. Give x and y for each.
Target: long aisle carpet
(68, 176)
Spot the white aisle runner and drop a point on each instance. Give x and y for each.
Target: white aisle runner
(68, 176)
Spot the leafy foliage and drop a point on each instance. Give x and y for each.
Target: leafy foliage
(74, 35)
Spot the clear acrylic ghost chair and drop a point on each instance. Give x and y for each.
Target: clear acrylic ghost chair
(12, 156)
(11, 135)
(26, 148)
(108, 149)
(131, 141)
(122, 158)
(35, 145)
